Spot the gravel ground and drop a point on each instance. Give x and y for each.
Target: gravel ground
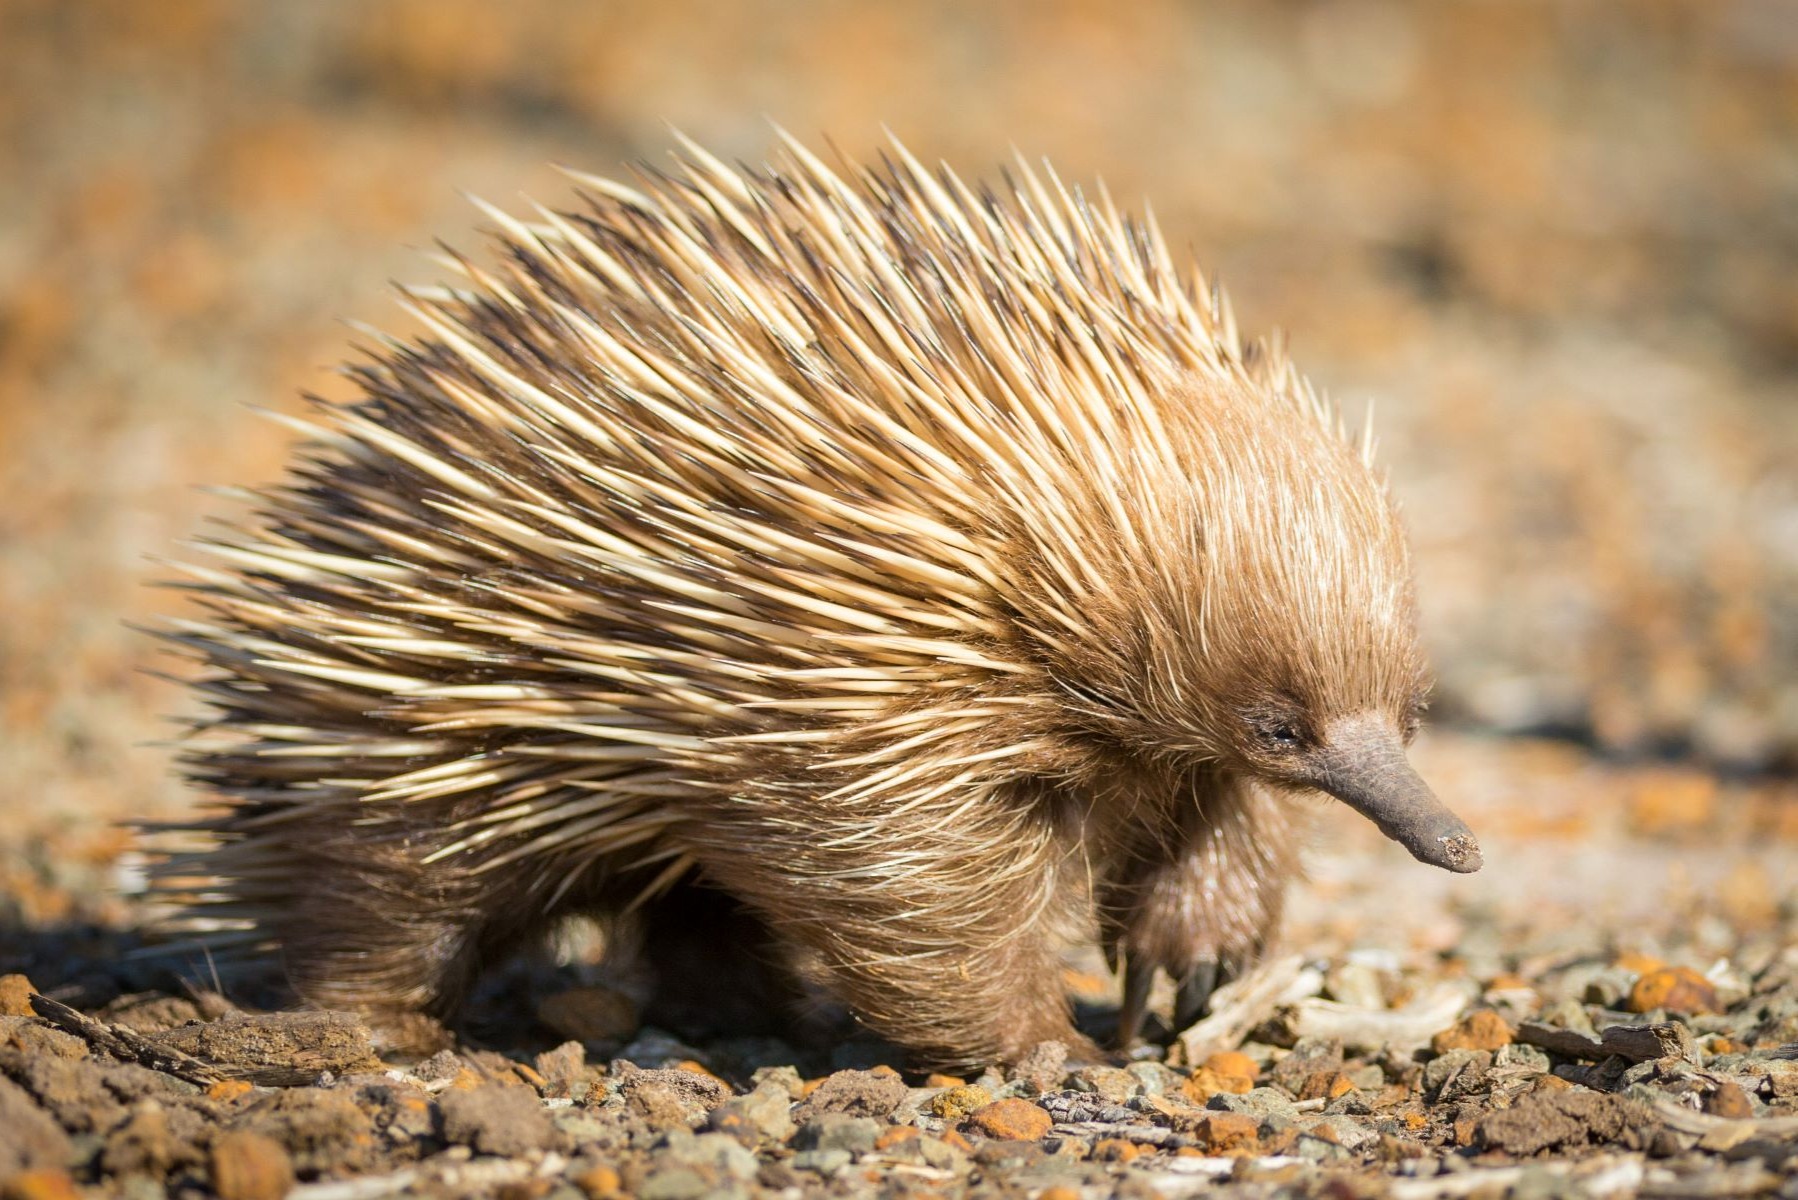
(1610, 1009)
(1571, 1075)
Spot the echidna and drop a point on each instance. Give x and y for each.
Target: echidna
(888, 575)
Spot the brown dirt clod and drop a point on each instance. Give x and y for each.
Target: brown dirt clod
(33, 1140)
(858, 1093)
(496, 1120)
(1558, 1121)
(294, 1047)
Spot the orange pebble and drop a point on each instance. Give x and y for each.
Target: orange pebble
(1676, 989)
(1233, 1062)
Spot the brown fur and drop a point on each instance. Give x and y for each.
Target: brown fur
(917, 566)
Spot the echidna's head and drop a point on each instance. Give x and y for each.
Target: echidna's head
(1255, 611)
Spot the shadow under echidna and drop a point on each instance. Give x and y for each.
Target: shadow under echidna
(918, 575)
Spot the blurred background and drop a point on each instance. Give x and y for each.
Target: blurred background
(1557, 242)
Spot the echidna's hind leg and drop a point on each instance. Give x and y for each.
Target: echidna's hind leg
(1200, 907)
(375, 923)
(374, 927)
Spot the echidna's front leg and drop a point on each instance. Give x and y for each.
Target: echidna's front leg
(1199, 901)
(936, 917)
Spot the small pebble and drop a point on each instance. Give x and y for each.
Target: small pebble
(1017, 1120)
(1676, 989)
(762, 1115)
(823, 1162)
(1226, 1132)
(1205, 1083)
(39, 1185)
(837, 1131)
(1729, 1100)
(1479, 1030)
(15, 996)
(1118, 1150)
(599, 1183)
(1233, 1062)
(957, 1102)
(248, 1166)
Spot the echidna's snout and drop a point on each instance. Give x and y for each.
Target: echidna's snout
(1363, 764)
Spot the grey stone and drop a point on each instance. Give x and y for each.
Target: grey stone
(659, 1049)
(1108, 1083)
(676, 1183)
(1271, 1106)
(1042, 1067)
(1352, 1135)
(725, 1153)
(1319, 1149)
(141, 1187)
(786, 1078)
(822, 1162)
(767, 1111)
(1444, 1067)
(1154, 1078)
(1608, 986)
(580, 1127)
(1307, 1057)
(498, 1120)
(941, 1155)
(837, 1131)
(1568, 1014)
(1517, 1054)
(1358, 984)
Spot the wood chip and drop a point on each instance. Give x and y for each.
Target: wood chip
(1372, 1029)
(1240, 1006)
(126, 1045)
(1637, 1043)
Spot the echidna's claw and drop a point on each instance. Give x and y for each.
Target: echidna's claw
(1139, 977)
(1193, 997)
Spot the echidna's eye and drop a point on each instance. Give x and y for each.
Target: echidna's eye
(1413, 720)
(1284, 737)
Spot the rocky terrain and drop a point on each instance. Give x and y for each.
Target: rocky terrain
(1609, 1009)
(1533, 1064)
